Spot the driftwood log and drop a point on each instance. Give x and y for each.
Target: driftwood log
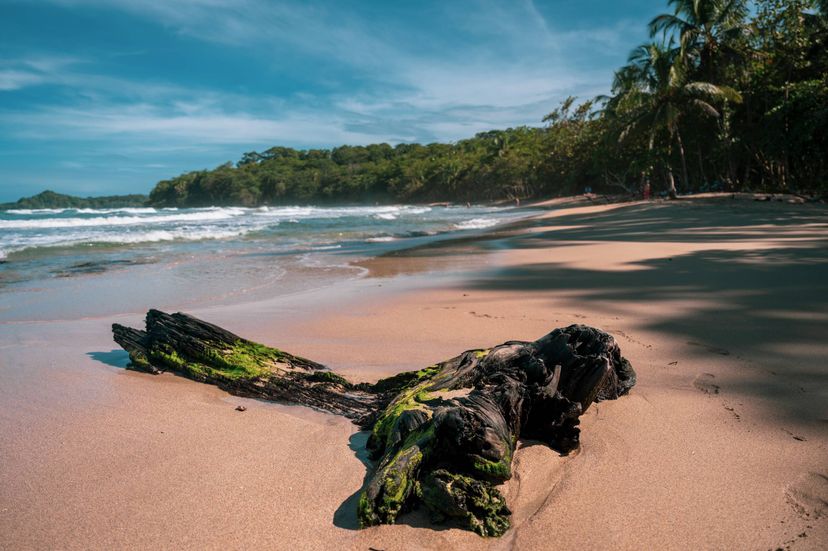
(443, 436)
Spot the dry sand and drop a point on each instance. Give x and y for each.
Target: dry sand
(721, 306)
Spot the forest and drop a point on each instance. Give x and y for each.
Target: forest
(727, 95)
(51, 200)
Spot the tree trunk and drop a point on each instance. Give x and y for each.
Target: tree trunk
(442, 436)
(748, 159)
(783, 169)
(701, 166)
(671, 182)
(685, 178)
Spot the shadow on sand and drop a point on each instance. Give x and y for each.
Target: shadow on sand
(113, 358)
(346, 515)
(758, 288)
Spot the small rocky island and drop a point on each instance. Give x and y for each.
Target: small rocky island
(442, 437)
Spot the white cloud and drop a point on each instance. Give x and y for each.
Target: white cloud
(11, 79)
(496, 37)
(31, 71)
(514, 68)
(148, 123)
(253, 23)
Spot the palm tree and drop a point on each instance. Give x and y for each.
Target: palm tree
(654, 93)
(708, 31)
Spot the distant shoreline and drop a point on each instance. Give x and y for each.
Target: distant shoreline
(51, 200)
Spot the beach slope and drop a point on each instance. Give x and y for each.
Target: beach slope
(721, 305)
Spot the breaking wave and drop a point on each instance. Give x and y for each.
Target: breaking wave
(477, 223)
(268, 228)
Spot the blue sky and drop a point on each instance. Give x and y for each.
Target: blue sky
(110, 96)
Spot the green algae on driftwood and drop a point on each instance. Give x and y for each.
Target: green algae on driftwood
(444, 436)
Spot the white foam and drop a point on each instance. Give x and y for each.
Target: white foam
(286, 212)
(151, 236)
(173, 235)
(385, 212)
(35, 211)
(128, 210)
(204, 216)
(476, 224)
(70, 227)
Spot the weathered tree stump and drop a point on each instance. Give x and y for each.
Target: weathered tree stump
(443, 436)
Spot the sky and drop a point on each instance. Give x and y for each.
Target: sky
(110, 96)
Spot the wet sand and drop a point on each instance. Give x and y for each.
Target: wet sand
(721, 306)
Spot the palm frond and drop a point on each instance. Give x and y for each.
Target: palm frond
(706, 89)
(640, 54)
(705, 108)
(731, 12)
(709, 90)
(731, 94)
(666, 23)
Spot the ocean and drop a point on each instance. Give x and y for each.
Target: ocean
(90, 262)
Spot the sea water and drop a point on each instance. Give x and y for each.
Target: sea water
(56, 263)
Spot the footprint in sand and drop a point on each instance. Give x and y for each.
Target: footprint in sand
(704, 382)
(733, 412)
(714, 349)
(808, 495)
(621, 333)
(477, 315)
(796, 436)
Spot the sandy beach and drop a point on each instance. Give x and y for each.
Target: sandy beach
(720, 304)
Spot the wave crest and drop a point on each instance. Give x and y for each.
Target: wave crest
(476, 224)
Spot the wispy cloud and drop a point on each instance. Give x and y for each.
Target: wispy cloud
(30, 71)
(366, 74)
(11, 79)
(512, 41)
(251, 23)
(151, 124)
(515, 79)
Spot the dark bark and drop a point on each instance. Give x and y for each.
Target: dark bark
(684, 173)
(202, 351)
(443, 436)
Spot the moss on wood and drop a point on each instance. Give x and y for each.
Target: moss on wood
(441, 436)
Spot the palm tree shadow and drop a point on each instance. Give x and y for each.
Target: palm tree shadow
(346, 515)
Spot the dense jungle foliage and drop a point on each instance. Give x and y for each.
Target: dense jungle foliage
(727, 95)
(51, 200)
